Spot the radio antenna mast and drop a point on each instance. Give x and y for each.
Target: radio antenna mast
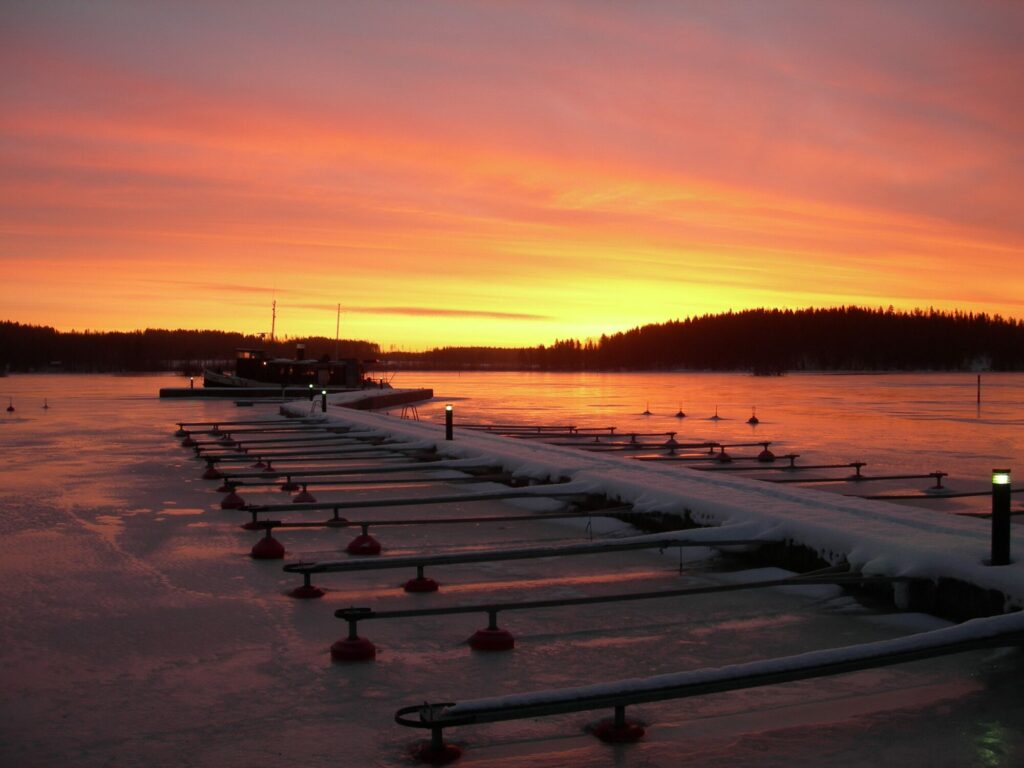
(337, 328)
(273, 318)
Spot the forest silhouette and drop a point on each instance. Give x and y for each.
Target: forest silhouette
(771, 341)
(40, 348)
(762, 341)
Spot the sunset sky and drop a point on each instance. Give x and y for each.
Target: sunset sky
(504, 173)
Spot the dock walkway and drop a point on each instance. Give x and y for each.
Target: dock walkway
(875, 538)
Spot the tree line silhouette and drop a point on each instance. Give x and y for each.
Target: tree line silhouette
(769, 341)
(763, 341)
(39, 348)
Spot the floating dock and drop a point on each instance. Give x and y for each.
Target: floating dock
(369, 399)
(917, 559)
(945, 554)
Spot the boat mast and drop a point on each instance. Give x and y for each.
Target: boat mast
(337, 328)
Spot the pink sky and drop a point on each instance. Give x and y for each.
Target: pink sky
(505, 173)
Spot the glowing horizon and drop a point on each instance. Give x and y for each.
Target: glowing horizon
(483, 173)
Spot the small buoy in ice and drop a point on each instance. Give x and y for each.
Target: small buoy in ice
(434, 754)
(267, 548)
(232, 501)
(716, 417)
(363, 544)
(492, 639)
(421, 584)
(353, 649)
(753, 416)
(46, 406)
(306, 592)
(679, 413)
(10, 405)
(305, 497)
(647, 410)
(611, 732)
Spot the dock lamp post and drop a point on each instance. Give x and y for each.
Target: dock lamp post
(1000, 517)
(191, 382)
(448, 422)
(323, 400)
(310, 391)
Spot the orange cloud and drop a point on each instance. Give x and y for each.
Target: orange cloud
(426, 166)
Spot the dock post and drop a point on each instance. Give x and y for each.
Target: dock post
(353, 647)
(448, 422)
(437, 751)
(307, 591)
(1000, 517)
(421, 583)
(492, 637)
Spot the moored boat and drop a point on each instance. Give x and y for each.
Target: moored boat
(254, 368)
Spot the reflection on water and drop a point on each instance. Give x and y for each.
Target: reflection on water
(897, 423)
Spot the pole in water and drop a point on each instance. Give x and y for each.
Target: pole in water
(448, 424)
(979, 389)
(1000, 517)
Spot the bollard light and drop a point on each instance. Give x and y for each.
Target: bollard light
(448, 422)
(1000, 517)
(323, 400)
(191, 382)
(310, 391)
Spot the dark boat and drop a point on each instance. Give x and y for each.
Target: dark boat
(254, 368)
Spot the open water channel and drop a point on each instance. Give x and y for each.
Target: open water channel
(137, 631)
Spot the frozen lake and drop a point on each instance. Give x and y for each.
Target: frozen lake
(138, 631)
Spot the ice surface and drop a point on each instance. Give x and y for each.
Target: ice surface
(134, 636)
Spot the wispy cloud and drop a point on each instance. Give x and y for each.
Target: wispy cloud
(426, 312)
(223, 287)
(608, 165)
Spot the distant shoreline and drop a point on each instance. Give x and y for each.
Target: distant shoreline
(431, 369)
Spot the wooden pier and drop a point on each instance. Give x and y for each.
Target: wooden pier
(580, 464)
